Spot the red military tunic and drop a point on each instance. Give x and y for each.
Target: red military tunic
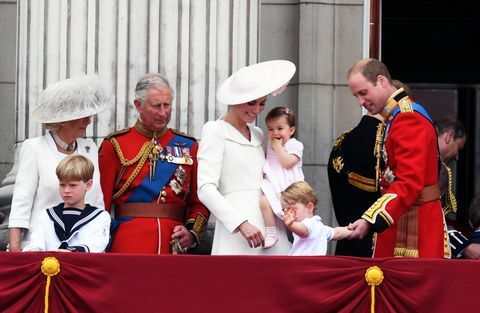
(411, 156)
(130, 184)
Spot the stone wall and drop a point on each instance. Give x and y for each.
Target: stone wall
(196, 45)
(324, 38)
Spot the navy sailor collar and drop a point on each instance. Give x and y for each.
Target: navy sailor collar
(85, 217)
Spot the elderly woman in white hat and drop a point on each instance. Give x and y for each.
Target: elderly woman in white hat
(65, 109)
(231, 158)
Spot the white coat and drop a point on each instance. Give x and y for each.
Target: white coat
(36, 185)
(229, 178)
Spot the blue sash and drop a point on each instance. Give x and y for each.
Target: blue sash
(416, 107)
(148, 191)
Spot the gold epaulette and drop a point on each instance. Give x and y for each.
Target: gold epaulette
(340, 138)
(405, 105)
(378, 208)
(118, 132)
(177, 132)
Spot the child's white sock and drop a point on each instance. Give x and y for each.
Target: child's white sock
(270, 237)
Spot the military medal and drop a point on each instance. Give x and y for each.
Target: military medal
(186, 156)
(176, 187)
(180, 175)
(178, 155)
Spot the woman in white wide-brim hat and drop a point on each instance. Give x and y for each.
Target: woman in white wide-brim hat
(231, 158)
(65, 109)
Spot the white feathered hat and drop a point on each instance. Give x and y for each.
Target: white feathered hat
(71, 99)
(255, 81)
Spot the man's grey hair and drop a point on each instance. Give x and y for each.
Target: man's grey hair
(147, 81)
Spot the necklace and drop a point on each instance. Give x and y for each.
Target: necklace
(62, 144)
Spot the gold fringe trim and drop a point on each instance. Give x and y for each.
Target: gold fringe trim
(447, 253)
(399, 252)
(405, 252)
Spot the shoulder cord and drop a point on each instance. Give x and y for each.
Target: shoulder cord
(377, 151)
(141, 157)
(450, 201)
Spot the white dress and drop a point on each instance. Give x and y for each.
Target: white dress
(276, 178)
(229, 178)
(36, 184)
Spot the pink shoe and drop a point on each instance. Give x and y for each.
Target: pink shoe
(270, 241)
(270, 237)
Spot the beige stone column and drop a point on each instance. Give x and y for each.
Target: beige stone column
(196, 44)
(325, 39)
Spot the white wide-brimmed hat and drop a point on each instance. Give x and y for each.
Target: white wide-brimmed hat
(71, 99)
(255, 81)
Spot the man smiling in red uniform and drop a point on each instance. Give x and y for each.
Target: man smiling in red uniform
(408, 217)
(149, 175)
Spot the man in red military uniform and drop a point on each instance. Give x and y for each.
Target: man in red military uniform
(408, 217)
(149, 176)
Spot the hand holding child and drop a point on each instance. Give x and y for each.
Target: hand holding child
(341, 233)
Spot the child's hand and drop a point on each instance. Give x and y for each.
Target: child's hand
(342, 233)
(289, 215)
(276, 143)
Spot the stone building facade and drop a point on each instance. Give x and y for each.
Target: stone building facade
(196, 45)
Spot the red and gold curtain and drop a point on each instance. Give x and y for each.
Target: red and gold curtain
(184, 283)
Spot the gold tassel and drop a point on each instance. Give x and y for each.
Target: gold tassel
(374, 277)
(50, 267)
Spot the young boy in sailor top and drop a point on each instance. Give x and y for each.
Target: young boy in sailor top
(72, 226)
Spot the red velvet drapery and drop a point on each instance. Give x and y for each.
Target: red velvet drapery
(144, 283)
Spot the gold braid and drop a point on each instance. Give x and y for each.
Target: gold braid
(450, 201)
(141, 157)
(377, 151)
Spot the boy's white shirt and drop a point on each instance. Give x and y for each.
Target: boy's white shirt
(316, 241)
(95, 235)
